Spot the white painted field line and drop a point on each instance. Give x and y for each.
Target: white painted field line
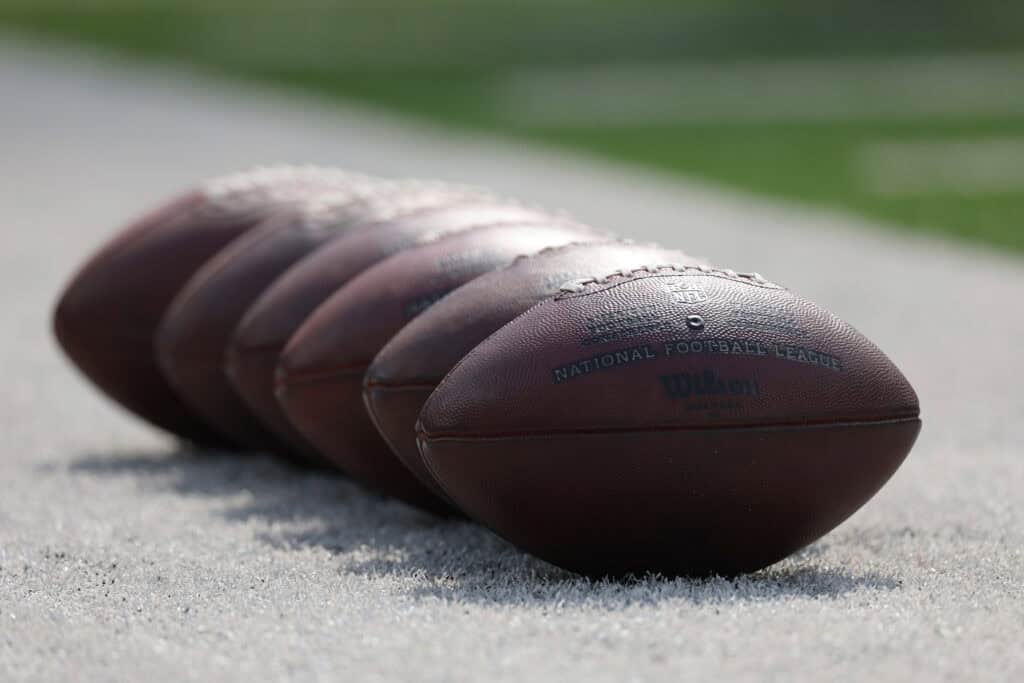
(962, 166)
(798, 90)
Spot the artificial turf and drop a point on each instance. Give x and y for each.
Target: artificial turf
(445, 60)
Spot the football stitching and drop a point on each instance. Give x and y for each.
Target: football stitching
(272, 183)
(391, 201)
(586, 286)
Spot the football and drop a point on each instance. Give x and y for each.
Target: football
(680, 419)
(277, 313)
(320, 373)
(193, 337)
(107, 316)
(407, 369)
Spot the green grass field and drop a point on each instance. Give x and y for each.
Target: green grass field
(911, 112)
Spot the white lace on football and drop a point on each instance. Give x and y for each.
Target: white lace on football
(386, 201)
(580, 285)
(269, 185)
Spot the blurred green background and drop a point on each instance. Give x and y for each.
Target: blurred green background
(907, 111)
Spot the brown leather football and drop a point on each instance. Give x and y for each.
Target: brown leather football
(108, 314)
(274, 317)
(409, 367)
(681, 420)
(320, 375)
(196, 329)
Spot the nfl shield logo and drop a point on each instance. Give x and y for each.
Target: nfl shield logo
(690, 295)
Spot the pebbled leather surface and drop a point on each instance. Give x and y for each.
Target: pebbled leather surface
(107, 316)
(284, 305)
(414, 361)
(621, 356)
(693, 502)
(607, 432)
(321, 370)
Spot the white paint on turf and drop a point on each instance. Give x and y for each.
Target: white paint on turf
(784, 90)
(956, 166)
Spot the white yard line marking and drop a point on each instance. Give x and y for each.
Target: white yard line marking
(799, 90)
(964, 167)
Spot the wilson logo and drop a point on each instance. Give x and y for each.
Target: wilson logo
(684, 385)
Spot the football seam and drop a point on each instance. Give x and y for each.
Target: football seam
(422, 435)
